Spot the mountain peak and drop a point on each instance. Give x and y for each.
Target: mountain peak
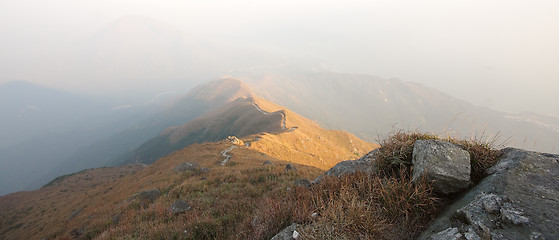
(226, 89)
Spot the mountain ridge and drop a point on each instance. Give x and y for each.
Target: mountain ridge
(370, 106)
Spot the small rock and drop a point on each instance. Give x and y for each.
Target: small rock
(204, 170)
(186, 166)
(314, 215)
(255, 221)
(290, 167)
(536, 235)
(491, 203)
(74, 214)
(149, 195)
(448, 234)
(303, 182)
(115, 219)
(267, 162)
(513, 216)
(179, 207)
(76, 233)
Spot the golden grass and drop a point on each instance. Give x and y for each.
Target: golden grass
(309, 144)
(223, 200)
(380, 206)
(243, 199)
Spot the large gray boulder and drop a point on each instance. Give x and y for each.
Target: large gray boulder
(364, 164)
(444, 163)
(518, 200)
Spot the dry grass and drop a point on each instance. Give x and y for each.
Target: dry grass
(381, 206)
(309, 144)
(223, 200)
(242, 200)
(362, 206)
(396, 152)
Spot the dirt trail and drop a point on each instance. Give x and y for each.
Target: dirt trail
(226, 154)
(283, 121)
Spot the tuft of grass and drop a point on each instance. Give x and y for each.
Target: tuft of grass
(483, 155)
(396, 152)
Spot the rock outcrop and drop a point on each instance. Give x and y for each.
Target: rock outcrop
(518, 200)
(364, 164)
(235, 141)
(444, 163)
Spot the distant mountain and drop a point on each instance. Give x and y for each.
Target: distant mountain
(249, 115)
(370, 106)
(198, 101)
(239, 118)
(42, 126)
(29, 110)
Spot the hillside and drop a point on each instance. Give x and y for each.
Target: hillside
(238, 118)
(304, 141)
(221, 177)
(275, 131)
(100, 201)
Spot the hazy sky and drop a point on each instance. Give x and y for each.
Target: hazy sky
(503, 54)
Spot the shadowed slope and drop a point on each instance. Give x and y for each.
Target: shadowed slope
(238, 118)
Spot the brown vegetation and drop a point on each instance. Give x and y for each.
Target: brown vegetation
(244, 199)
(381, 206)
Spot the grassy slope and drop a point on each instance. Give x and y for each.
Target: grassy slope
(225, 191)
(225, 201)
(309, 144)
(28, 215)
(237, 118)
(242, 200)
